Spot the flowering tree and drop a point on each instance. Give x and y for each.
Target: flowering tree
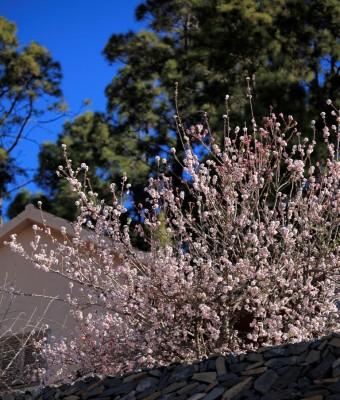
(245, 253)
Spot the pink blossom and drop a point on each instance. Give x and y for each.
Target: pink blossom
(252, 261)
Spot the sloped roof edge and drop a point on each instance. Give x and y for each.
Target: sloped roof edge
(30, 216)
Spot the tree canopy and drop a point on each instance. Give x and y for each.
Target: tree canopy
(289, 48)
(28, 75)
(89, 139)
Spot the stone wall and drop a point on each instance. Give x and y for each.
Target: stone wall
(307, 370)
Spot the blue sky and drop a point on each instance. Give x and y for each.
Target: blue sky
(75, 32)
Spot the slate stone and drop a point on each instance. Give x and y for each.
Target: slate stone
(289, 375)
(336, 351)
(173, 387)
(283, 370)
(231, 358)
(216, 392)
(238, 367)
(130, 396)
(304, 383)
(255, 365)
(254, 357)
(255, 371)
(220, 366)
(248, 395)
(182, 372)
(95, 392)
(315, 344)
(90, 378)
(196, 367)
(119, 389)
(152, 396)
(336, 372)
(147, 383)
(58, 395)
(49, 393)
(296, 349)
(322, 368)
(282, 362)
(229, 380)
(71, 390)
(334, 387)
(317, 392)
(7, 396)
(102, 398)
(312, 357)
(324, 354)
(211, 386)
(281, 395)
(21, 396)
(237, 389)
(170, 396)
(322, 345)
(197, 396)
(200, 388)
(146, 393)
(335, 342)
(110, 382)
(157, 372)
(188, 388)
(332, 397)
(325, 381)
(135, 377)
(265, 381)
(164, 379)
(173, 366)
(203, 366)
(274, 352)
(211, 365)
(208, 377)
(37, 391)
(241, 357)
(86, 391)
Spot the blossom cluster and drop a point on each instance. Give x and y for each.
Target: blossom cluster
(251, 255)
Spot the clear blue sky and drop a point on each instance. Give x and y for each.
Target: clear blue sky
(75, 32)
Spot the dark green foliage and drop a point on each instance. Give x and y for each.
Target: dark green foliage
(23, 198)
(92, 140)
(210, 47)
(289, 48)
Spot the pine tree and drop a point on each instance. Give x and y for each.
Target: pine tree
(288, 48)
(27, 76)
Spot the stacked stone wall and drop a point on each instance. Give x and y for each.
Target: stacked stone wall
(306, 370)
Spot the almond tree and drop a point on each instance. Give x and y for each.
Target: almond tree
(251, 256)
